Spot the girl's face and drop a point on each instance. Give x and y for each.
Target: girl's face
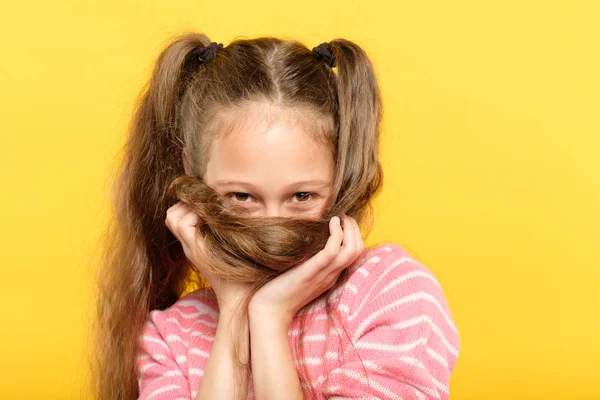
(270, 165)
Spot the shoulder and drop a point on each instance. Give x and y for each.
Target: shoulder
(386, 266)
(400, 332)
(166, 345)
(388, 285)
(196, 311)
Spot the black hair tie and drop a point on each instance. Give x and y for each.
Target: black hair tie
(325, 53)
(208, 52)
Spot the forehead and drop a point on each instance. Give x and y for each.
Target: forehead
(260, 142)
(261, 115)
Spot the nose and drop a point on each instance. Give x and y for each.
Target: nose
(272, 210)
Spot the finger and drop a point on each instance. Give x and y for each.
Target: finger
(351, 226)
(173, 214)
(174, 217)
(348, 241)
(177, 210)
(186, 227)
(348, 229)
(351, 250)
(175, 206)
(360, 244)
(332, 248)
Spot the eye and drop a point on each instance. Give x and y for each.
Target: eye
(303, 197)
(239, 197)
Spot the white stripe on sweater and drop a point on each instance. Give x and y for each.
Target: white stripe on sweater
(203, 336)
(373, 286)
(375, 367)
(436, 329)
(197, 304)
(199, 352)
(200, 321)
(192, 315)
(368, 382)
(162, 390)
(177, 338)
(406, 299)
(406, 277)
(155, 340)
(390, 347)
(313, 384)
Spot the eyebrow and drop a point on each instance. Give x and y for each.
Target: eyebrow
(314, 183)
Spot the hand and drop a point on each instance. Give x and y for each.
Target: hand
(283, 296)
(182, 221)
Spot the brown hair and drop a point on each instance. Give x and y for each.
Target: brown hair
(143, 267)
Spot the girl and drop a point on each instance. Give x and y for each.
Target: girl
(249, 174)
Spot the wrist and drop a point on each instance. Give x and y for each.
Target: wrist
(272, 317)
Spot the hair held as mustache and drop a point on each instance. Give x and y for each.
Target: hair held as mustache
(245, 248)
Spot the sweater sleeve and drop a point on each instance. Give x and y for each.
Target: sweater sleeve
(160, 376)
(403, 341)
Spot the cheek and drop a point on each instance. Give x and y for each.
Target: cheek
(324, 207)
(317, 213)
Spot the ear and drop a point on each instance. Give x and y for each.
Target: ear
(185, 161)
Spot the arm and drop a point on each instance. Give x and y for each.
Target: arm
(273, 370)
(218, 380)
(273, 307)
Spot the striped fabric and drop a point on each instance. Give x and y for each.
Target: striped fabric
(392, 336)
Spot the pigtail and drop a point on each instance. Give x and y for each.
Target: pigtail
(157, 146)
(359, 112)
(142, 267)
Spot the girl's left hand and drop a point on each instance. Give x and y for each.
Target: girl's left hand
(282, 297)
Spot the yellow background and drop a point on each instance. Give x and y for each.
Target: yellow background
(491, 152)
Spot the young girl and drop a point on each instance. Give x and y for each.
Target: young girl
(249, 173)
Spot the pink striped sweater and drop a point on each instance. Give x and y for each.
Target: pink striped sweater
(401, 340)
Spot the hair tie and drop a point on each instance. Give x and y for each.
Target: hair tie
(325, 53)
(208, 52)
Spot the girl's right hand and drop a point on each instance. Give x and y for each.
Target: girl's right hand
(182, 222)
